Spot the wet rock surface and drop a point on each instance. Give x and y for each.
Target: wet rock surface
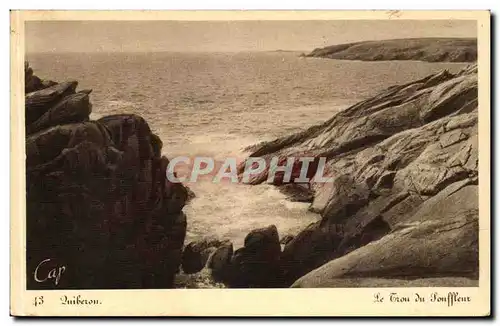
(404, 193)
(197, 253)
(220, 262)
(98, 201)
(433, 248)
(257, 263)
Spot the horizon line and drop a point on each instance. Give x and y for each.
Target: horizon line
(166, 51)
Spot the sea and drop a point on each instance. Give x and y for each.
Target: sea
(216, 104)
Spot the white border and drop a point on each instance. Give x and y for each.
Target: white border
(190, 4)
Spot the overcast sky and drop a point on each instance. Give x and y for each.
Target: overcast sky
(132, 36)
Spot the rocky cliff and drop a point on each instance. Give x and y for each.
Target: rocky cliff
(403, 204)
(98, 201)
(423, 49)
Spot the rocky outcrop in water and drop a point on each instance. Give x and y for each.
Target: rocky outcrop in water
(255, 265)
(98, 201)
(196, 254)
(206, 264)
(403, 204)
(423, 49)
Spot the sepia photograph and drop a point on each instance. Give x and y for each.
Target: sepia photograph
(268, 154)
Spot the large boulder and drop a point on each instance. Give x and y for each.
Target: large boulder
(257, 263)
(219, 262)
(102, 205)
(97, 198)
(309, 249)
(196, 254)
(444, 248)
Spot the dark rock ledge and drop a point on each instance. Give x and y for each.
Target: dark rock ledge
(97, 198)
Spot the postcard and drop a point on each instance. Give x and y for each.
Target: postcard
(250, 163)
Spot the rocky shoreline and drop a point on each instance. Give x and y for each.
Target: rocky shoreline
(403, 207)
(422, 49)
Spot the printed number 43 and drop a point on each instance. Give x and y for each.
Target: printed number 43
(38, 301)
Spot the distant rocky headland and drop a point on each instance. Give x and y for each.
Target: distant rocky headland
(422, 49)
